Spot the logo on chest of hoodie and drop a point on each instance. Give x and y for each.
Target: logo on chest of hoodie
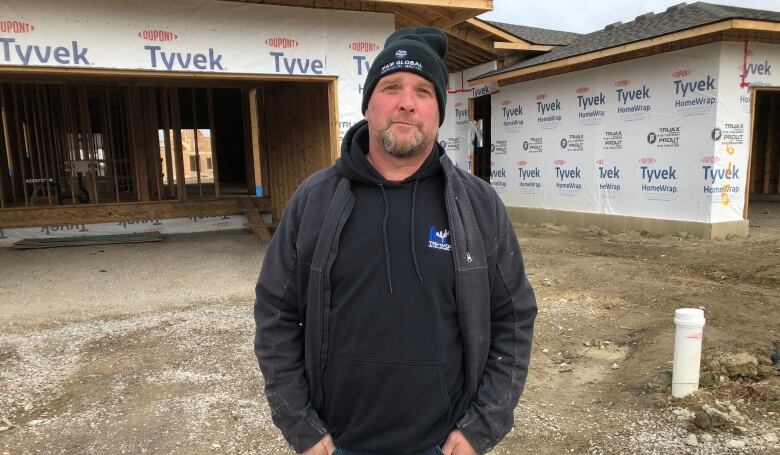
(439, 239)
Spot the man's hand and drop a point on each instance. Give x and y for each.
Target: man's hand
(324, 447)
(456, 444)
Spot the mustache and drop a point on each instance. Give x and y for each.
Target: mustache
(407, 120)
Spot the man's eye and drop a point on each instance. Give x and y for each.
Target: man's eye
(424, 91)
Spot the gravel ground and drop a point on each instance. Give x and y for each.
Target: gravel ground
(148, 348)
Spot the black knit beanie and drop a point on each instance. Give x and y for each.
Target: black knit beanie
(418, 50)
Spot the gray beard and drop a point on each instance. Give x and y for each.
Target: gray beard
(402, 150)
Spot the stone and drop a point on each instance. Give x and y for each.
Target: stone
(735, 444)
(692, 440)
(615, 366)
(770, 437)
(545, 350)
(706, 438)
(741, 365)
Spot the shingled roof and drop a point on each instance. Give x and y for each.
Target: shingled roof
(536, 35)
(674, 19)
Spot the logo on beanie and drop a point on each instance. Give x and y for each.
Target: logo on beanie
(401, 53)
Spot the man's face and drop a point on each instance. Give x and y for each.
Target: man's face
(403, 114)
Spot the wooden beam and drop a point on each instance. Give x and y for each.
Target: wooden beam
(7, 137)
(482, 5)
(613, 51)
(254, 128)
(493, 30)
(333, 119)
(181, 187)
(195, 141)
(214, 161)
(166, 127)
(107, 213)
(498, 45)
(471, 36)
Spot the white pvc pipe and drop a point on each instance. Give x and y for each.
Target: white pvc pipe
(689, 324)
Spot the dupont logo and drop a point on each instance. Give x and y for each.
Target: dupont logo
(583, 90)
(711, 159)
(161, 36)
(12, 26)
(541, 97)
(363, 46)
(623, 83)
(681, 73)
(522, 163)
(506, 102)
(600, 162)
(458, 104)
(647, 160)
(559, 162)
(281, 42)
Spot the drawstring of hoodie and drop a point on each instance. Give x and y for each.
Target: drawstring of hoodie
(384, 239)
(414, 255)
(384, 236)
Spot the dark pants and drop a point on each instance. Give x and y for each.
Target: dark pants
(432, 451)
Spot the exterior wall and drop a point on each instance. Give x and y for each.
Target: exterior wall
(629, 139)
(734, 110)
(198, 36)
(455, 133)
(204, 36)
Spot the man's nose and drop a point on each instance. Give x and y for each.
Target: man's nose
(407, 101)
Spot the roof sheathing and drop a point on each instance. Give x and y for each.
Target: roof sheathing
(648, 26)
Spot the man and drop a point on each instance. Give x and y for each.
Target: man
(393, 312)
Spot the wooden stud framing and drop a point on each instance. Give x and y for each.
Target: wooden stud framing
(8, 146)
(214, 161)
(178, 152)
(254, 131)
(195, 141)
(166, 127)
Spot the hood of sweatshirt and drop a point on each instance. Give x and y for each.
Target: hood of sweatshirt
(354, 165)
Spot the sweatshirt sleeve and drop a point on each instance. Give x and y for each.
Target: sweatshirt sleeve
(279, 336)
(513, 311)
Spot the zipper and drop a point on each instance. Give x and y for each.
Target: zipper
(321, 291)
(465, 231)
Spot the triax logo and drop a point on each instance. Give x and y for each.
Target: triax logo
(18, 27)
(161, 36)
(363, 46)
(281, 42)
(439, 239)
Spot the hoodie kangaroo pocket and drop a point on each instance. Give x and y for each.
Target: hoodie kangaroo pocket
(379, 401)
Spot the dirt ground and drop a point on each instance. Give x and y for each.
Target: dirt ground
(148, 348)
